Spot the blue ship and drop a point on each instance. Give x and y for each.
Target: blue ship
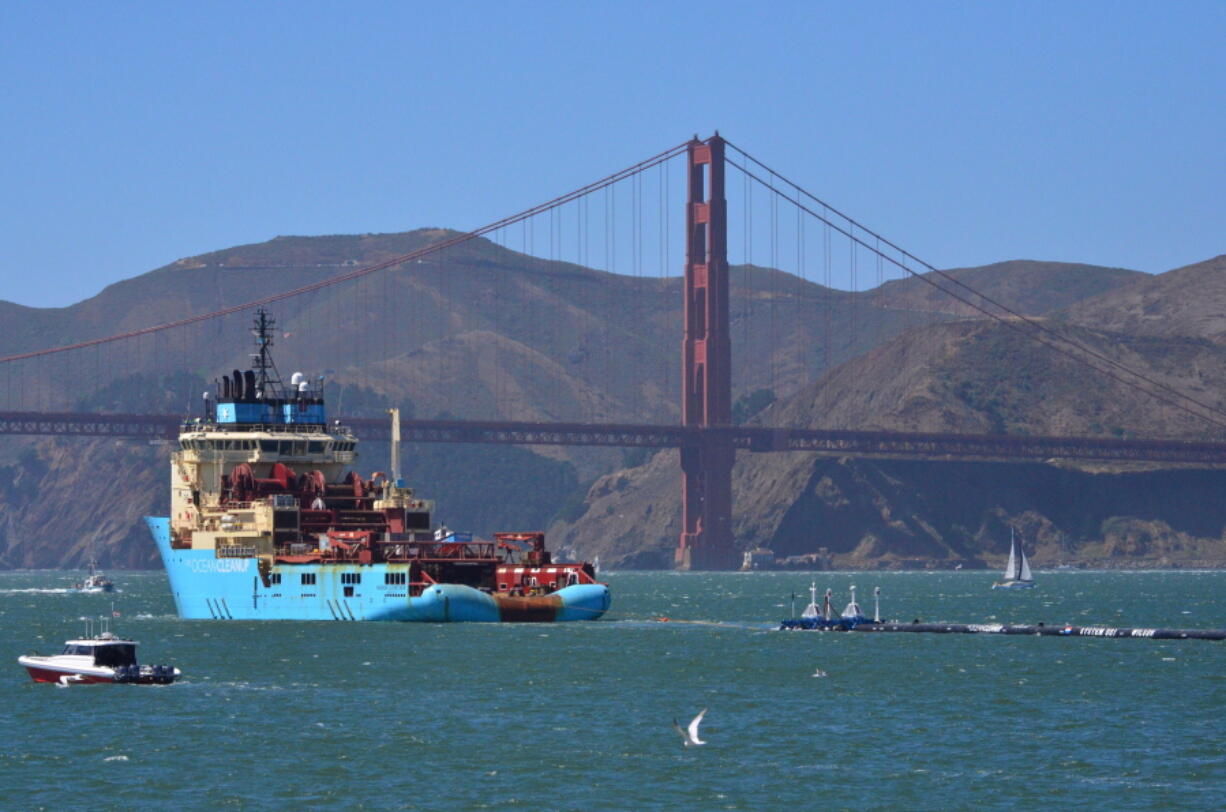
(268, 522)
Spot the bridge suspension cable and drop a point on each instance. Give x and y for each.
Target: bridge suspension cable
(1054, 339)
(366, 270)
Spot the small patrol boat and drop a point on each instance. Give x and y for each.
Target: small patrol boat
(95, 581)
(95, 659)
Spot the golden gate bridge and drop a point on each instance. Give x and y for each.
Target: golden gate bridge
(705, 432)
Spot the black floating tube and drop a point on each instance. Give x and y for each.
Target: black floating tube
(1001, 628)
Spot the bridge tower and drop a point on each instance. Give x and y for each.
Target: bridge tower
(706, 361)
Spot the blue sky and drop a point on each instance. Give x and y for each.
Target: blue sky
(136, 134)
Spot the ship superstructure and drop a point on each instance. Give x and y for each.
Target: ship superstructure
(268, 521)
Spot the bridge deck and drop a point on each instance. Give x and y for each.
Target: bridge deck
(751, 438)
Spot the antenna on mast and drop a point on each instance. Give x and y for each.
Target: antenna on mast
(266, 371)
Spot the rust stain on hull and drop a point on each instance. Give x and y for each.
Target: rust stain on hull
(542, 609)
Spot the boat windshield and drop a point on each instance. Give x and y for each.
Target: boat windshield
(123, 654)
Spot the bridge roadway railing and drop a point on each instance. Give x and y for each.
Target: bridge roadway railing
(86, 424)
(914, 445)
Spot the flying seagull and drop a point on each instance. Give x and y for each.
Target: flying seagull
(689, 735)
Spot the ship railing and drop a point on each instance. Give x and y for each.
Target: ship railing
(395, 550)
(203, 424)
(227, 506)
(402, 551)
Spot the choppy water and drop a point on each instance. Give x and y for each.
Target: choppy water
(578, 716)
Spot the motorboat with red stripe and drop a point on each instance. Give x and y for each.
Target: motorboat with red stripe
(97, 659)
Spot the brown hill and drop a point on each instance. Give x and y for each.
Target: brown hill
(613, 333)
(985, 376)
(1028, 287)
(479, 331)
(1188, 301)
(965, 376)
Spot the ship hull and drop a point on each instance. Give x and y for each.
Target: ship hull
(1013, 585)
(46, 673)
(209, 588)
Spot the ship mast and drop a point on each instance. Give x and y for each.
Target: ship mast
(265, 369)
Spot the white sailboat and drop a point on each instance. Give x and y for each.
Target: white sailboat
(1017, 571)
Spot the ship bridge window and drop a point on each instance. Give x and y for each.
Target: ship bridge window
(299, 449)
(395, 577)
(351, 577)
(316, 447)
(268, 446)
(71, 649)
(308, 578)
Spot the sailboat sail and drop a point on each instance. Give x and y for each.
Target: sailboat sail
(1017, 571)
